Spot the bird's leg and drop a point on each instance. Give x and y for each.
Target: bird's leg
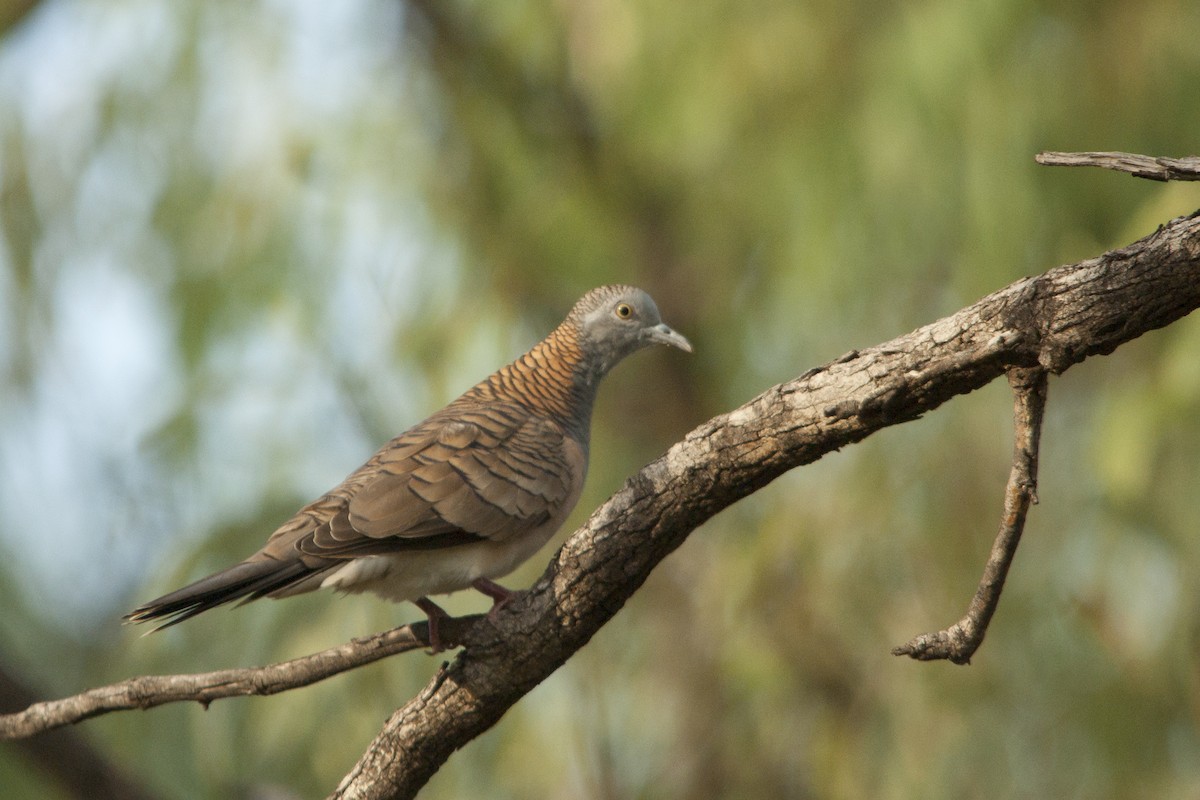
(500, 596)
(434, 612)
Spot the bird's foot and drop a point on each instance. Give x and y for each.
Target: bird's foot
(434, 613)
(501, 596)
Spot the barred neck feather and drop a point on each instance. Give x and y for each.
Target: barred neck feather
(555, 378)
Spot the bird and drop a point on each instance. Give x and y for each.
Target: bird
(460, 499)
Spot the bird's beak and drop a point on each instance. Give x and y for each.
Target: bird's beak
(663, 334)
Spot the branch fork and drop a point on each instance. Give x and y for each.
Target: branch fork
(959, 642)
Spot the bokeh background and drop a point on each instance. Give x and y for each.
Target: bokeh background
(244, 243)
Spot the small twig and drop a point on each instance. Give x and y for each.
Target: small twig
(960, 641)
(1151, 167)
(148, 691)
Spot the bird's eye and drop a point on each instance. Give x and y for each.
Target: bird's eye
(624, 311)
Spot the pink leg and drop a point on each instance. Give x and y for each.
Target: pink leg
(434, 612)
(500, 596)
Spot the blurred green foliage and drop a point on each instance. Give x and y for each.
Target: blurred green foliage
(242, 244)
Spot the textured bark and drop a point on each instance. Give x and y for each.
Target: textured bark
(1048, 322)
(1051, 321)
(1155, 168)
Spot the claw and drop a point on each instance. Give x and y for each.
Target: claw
(434, 613)
(501, 596)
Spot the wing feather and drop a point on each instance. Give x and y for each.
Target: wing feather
(465, 474)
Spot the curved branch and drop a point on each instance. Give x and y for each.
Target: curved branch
(960, 641)
(1048, 322)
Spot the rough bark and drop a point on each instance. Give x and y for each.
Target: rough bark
(1048, 322)
(1051, 322)
(1155, 168)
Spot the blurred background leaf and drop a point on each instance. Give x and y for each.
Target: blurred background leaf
(243, 244)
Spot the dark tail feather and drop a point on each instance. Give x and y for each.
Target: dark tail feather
(247, 581)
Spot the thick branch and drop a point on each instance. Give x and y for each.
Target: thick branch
(960, 641)
(1048, 322)
(149, 691)
(1154, 168)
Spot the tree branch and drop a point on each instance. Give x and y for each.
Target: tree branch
(960, 641)
(1044, 323)
(149, 691)
(1151, 167)
(1049, 322)
(67, 757)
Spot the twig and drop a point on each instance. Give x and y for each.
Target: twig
(149, 691)
(1151, 167)
(960, 641)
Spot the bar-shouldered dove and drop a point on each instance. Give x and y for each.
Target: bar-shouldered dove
(460, 499)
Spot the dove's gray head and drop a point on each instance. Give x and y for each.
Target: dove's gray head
(614, 321)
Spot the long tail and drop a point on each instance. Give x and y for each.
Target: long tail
(246, 581)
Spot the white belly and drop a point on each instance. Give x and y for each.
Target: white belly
(408, 576)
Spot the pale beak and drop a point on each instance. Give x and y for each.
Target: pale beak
(663, 334)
